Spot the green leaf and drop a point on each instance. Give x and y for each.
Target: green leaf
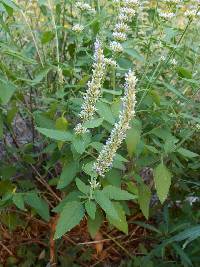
(88, 168)
(70, 216)
(105, 203)
(6, 187)
(68, 174)
(187, 153)
(18, 200)
(10, 3)
(133, 138)
(170, 145)
(184, 73)
(7, 90)
(91, 208)
(41, 75)
(40, 206)
(72, 196)
(61, 124)
(113, 177)
(17, 55)
(93, 123)
(121, 224)
(81, 142)
(184, 257)
(47, 37)
(105, 112)
(116, 193)
(94, 225)
(85, 189)
(144, 197)
(162, 179)
(56, 134)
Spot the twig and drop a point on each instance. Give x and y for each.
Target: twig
(7, 249)
(52, 225)
(43, 182)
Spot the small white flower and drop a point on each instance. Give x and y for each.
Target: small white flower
(162, 58)
(80, 129)
(121, 27)
(130, 3)
(85, 7)
(94, 184)
(116, 47)
(118, 134)
(127, 11)
(77, 28)
(93, 93)
(173, 61)
(111, 62)
(166, 15)
(173, 1)
(124, 17)
(119, 36)
(190, 13)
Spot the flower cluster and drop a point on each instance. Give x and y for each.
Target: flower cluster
(116, 47)
(94, 88)
(111, 62)
(85, 7)
(118, 134)
(166, 15)
(78, 28)
(173, 1)
(125, 15)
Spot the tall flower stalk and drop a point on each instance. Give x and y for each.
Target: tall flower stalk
(93, 93)
(118, 134)
(125, 15)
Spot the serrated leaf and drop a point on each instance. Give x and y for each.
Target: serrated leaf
(55, 134)
(70, 216)
(82, 186)
(105, 203)
(105, 112)
(116, 193)
(162, 179)
(88, 168)
(91, 207)
(170, 145)
(144, 197)
(94, 225)
(72, 196)
(187, 153)
(68, 174)
(93, 123)
(40, 206)
(81, 142)
(121, 224)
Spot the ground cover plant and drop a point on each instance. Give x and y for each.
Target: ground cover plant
(99, 133)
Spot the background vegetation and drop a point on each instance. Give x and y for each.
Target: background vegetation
(45, 64)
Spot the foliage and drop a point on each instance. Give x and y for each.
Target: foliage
(46, 168)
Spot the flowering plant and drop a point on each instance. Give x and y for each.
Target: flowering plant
(99, 104)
